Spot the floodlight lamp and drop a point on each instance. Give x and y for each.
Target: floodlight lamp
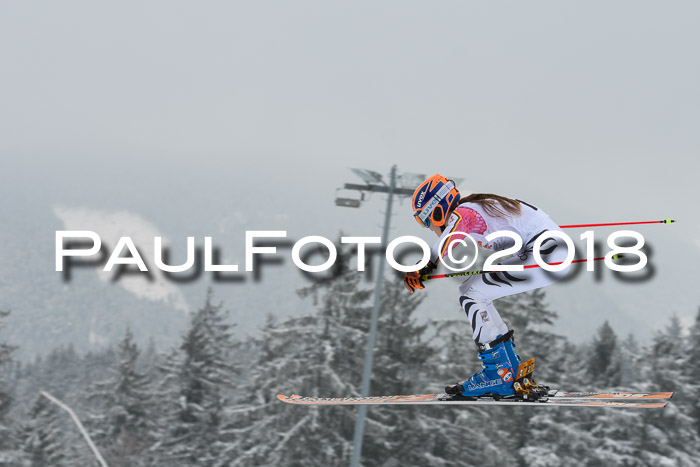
(347, 202)
(368, 176)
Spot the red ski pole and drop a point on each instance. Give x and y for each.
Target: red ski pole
(529, 266)
(574, 226)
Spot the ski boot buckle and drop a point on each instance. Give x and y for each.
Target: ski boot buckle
(525, 385)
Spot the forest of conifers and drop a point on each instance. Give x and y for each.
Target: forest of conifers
(210, 400)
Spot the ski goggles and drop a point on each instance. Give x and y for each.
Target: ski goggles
(425, 223)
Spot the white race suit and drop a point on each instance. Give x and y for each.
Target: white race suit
(477, 293)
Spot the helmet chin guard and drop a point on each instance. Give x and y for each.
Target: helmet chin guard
(433, 200)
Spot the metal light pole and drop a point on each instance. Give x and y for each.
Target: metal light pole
(374, 184)
(369, 355)
(372, 178)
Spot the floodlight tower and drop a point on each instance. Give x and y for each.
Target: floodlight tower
(374, 184)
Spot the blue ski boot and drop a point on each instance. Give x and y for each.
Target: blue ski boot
(500, 368)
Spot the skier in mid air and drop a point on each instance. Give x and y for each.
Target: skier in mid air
(437, 206)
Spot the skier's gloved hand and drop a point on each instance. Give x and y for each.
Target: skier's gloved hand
(413, 281)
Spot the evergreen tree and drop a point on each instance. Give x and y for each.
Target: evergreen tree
(461, 436)
(8, 442)
(319, 354)
(629, 358)
(60, 372)
(402, 361)
(603, 367)
(43, 443)
(70, 377)
(403, 353)
(125, 401)
(691, 371)
(624, 437)
(531, 319)
(556, 436)
(669, 433)
(5, 367)
(198, 383)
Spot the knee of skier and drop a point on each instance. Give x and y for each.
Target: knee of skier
(553, 253)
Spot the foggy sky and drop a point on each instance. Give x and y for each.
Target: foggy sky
(216, 118)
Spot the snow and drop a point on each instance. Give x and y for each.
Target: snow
(112, 225)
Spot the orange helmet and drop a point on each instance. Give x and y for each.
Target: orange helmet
(433, 200)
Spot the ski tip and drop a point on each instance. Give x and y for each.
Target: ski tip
(289, 399)
(654, 405)
(660, 395)
(626, 404)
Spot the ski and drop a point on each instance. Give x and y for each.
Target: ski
(443, 399)
(620, 396)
